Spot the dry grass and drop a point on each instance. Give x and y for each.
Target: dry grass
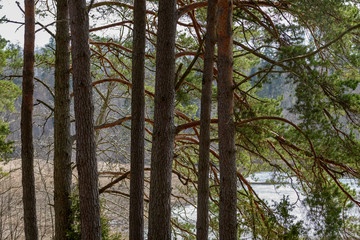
(115, 203)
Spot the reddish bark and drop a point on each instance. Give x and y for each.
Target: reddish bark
(27, 146)
(228, 191)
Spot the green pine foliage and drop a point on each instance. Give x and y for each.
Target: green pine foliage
(292, 230)
(5, 146)
(8, 93)
(285, 66)
(327, 210)
(75, 232)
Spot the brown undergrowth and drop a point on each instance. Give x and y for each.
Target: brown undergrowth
(114, 199)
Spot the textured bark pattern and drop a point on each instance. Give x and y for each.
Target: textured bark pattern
(202, 224)
(27, 147)
(84, 112)
(227, 214)
(136, 218)
(62, 138)
(163, 132)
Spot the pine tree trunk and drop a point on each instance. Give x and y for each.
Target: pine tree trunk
(227, 215)
(136, 218)
(163, 131)
(84, 121)
(27, 147)
(62, 137)
(202, 224)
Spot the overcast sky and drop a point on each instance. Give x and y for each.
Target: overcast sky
(15, 32)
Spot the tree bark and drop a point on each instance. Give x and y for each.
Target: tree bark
(62, 137)
(27, 147)
(202, 224)
(84, 121)
(164, 130)
(136, 218)
(228, 191)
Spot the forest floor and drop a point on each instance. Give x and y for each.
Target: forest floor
(115, 201)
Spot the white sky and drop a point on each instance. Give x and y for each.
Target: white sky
(15, 32)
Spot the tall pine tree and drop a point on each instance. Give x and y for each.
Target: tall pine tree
(136, 218)
(62, 137)
(84, 121)
(228, 191)
(164, 130)
(27, 146)
(202, 224)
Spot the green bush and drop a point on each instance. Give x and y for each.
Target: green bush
(75, 232)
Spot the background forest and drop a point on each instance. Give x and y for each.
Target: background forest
(170, 119)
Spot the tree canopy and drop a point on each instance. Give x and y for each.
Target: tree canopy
(291, 106)
(8, 93)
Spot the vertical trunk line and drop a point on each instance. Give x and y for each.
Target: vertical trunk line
(62, 137)
(202, 224)
(27, 147)
(84, 122)
(136, 218)
(228, 192)
(164, 130)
